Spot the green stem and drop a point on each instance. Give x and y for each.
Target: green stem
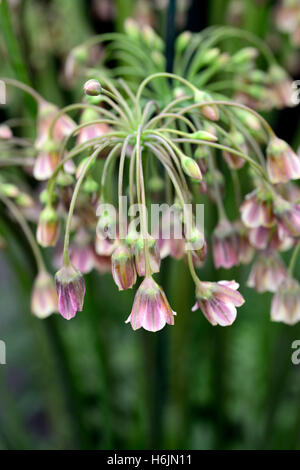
(26, 229)
(85, 169)
(293, 259)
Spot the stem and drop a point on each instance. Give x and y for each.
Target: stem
(120, 186)
(26, 229)
(94, 155)
(22, 86)
(12, 43)
(141, 200)
(219, 201)
(108, 160)
(293, 259)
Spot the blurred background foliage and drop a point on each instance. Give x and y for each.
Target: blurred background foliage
(93, 383)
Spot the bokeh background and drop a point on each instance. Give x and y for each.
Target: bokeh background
(93, 383)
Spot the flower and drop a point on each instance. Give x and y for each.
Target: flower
(63, 126)
(285, 305)
(91, 131)
(288, 216)
(151, 309)
(235, 161)
(70, 289)
(244, 249)
(283, 164)
(46, 161)
(218, 301)
(267, 272)
(48, 227)
(256, 210)
(139, 255)
(44, 296)
(225, 245)
(123, 269)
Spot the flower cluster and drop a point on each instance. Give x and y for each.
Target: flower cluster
(172, 138)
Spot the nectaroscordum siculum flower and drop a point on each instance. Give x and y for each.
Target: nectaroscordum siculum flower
(131, 131)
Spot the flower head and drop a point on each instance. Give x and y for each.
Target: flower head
(218, 301)
(70, 289)
(44, 296)
(283, 164)
(285, 305)
(151, 309)
(123, 268)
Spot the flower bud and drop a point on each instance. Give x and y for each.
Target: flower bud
(209, 111)
(244, 55)
(235, 161)
(44, 296)
(70, 288)
(92, 87)
(132, 29)
(123, 269)
(48, 227)
(183, 41)
(191, 168)
(203, 135)
(9, 190)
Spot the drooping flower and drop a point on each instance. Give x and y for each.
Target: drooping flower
(70, 288)
(244, 249)
(91, 131)
(62, 127)
(46, 161)
(44, 296)
(235, 161)
(82, 257)
(256, 210)
(225, 245)
(139, 255)
(48, 227)
(151, 309)
(123, 268)
(281, 87)
(283, 164)
(267, 272)
(288, 216)
(285, 305)
(218, 301)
